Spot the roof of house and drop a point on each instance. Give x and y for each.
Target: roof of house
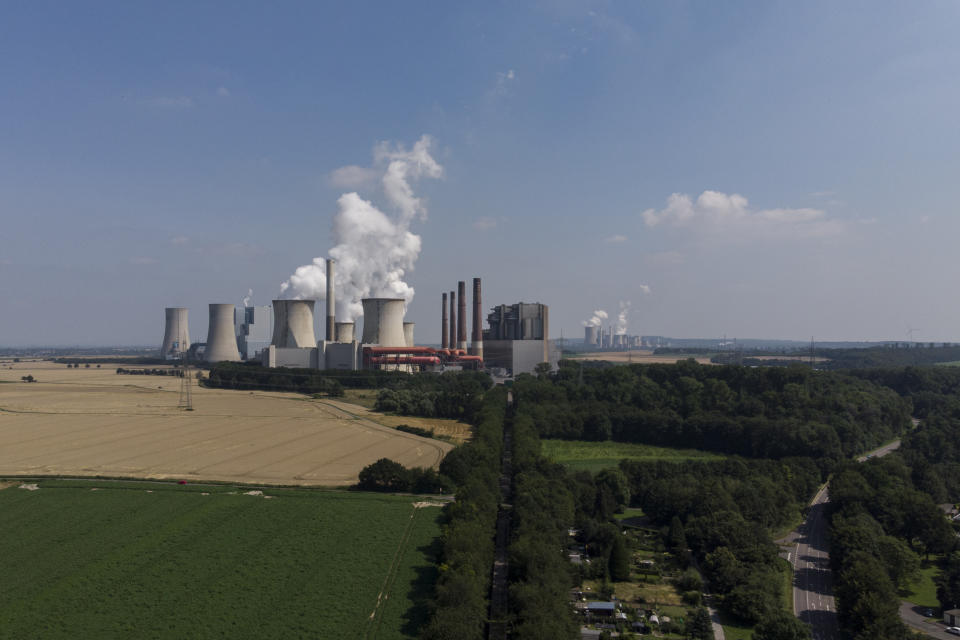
(601, 606)
(953, 612)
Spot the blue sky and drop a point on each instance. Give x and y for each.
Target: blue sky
(176, 154)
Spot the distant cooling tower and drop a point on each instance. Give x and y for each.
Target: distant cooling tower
(408, 333)
(176, 335)
(344, 331)
(591, 335)
(383, 322)
(222, 335)
(293, 324)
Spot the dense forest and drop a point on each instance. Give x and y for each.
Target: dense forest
(756, 413)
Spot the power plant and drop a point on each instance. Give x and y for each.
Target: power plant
(282, 335)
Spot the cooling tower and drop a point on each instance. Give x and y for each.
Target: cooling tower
(590, 335)
(408, 333)
(452, 342)
(444, 329)
(344, 331)
(331, 303)
(176, 336)
(293, 324)
(222, 335)
(383, 322)
(462, 315)
(477, 337)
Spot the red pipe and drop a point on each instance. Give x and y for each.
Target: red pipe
(400, 350)
(405, 360)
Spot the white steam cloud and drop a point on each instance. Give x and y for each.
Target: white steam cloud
(597, 320)
(247, 298)
(622, 318)
(373, 250)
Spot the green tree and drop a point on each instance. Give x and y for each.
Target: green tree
(699, 626)
(384, 475)
(780, 625)
(619, 564)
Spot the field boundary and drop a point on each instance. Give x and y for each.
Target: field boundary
(376, 616)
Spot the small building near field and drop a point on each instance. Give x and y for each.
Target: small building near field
(952, 618)
(606, 609)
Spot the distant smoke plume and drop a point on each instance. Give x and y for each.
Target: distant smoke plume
(622, 318)
(247, 298)
(373, 250)
(597, 320)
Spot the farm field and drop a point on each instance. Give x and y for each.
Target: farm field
(94, 422)
(457, 432)
(594, 456)
(102, 559)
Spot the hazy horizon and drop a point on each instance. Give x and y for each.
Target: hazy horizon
(739, 169)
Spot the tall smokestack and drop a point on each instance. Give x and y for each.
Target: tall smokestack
(444, 329)
(462, 315)
(477, 338)
(452, 343)
(331, 303)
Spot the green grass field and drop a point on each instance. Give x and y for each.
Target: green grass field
(595, 456)
(923, 591)
(140, 560)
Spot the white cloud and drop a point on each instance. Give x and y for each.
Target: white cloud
(223, 92)
(504, 80)
(173, 103)
(644, 288)
(717, 212)
(616, 239)
(484, 223)
(179, 240)
(353, 177)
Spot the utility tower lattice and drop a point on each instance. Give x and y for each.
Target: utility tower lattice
(186, 395)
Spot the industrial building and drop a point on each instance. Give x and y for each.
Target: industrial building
(255, 331)
(222, 334)
(176, 334)
(518, 338)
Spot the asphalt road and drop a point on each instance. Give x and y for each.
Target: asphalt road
(809, 553)
(910, 614)
(813, 600)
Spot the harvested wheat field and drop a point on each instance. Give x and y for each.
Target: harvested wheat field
(94, 422)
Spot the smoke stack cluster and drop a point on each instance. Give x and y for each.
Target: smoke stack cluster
(453, 320)
(454, 323)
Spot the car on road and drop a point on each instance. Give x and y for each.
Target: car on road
(954, 630)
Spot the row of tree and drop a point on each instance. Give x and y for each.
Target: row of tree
(462, 590)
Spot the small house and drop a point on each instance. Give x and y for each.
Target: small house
(605, 609)
(952, 618)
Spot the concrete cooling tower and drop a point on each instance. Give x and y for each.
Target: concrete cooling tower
(222, 335)
(293, 324)
(344, 331)
(383, 322)
(176, 335)
(408, 333)
(591, 335)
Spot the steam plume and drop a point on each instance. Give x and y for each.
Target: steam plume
(597, 320)
(622, 318)
(247, 298)
(373, 250)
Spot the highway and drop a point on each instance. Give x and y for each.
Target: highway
(809, 553)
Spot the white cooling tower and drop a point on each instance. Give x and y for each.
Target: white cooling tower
(293, 324)
(383, 322)
(222, 335)
(344, 331)
(176, 335)
(408, 333)
(590, 335)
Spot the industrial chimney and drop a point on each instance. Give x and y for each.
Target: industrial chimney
(408, 333)
(452, 343)
(331, 303)
(222, 335)
(344, 331)
(462, 316)
(444, 332)
(477, 338)
(383, 321)
(176, 336)
(293, 324)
